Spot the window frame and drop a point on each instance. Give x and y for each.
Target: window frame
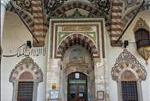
(140, 34)
(26, 65)
(139, 88)
(127, 61)
(26, 81)
(15, 89)
(131, 83)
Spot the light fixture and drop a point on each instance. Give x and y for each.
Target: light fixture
(29, 44)
(126, 43)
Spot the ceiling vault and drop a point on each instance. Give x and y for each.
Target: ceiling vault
(22, 19)
(35, 14)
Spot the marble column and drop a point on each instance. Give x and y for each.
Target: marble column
(53, 77)
(3, 10)
(99, 71)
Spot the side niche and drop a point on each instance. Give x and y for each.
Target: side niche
(142, 37)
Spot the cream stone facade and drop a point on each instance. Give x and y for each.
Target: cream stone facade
(75, 50)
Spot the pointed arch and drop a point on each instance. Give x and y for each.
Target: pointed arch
(29, 66)
(116, 26)
(25, 78)
(24, 13)
(127, 61)
(128, 73)
(78, 39)
(31, 11)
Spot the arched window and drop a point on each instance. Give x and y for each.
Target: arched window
(128, 73)
(142, 37)
(25, 78)
(25, 87)
(129, 86)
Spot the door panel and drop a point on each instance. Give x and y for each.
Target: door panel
(73, 92)
(77, 89)
(77, 92)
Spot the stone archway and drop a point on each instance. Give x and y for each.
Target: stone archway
(76, 45)
(26, 73)
(26, 64)
(77, 59)
(31, 14)
(126, 61)
(78, 39)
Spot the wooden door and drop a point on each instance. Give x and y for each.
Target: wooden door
(77, 88)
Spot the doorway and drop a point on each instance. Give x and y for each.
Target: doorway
(77, 87)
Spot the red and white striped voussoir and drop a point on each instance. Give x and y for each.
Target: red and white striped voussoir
(116, 22)
(37, 12)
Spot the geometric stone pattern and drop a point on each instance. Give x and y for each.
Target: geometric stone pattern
(40, 27)
(132, 8)
(127, 61)
(76, 33)
(27, 17)
(80, 40)
(31, 11)
(116, 21)
(26, 65)
(96, 8)
(122, 13)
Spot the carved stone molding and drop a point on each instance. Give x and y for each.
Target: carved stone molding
(26, 65)
(80, 39)
(141, 24)
(23, 4)
(127, 61)
(97, 8)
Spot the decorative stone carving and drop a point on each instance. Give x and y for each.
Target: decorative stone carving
(128, 76)
(95, 8)
(126, 61)
(80, 39)
(93, 42)
(24, 4)
(130, 3)
(26, 65)
(141, 24)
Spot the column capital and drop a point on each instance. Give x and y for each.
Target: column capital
(4, 2)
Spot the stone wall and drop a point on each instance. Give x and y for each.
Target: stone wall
(16, 34)
(113, 52)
